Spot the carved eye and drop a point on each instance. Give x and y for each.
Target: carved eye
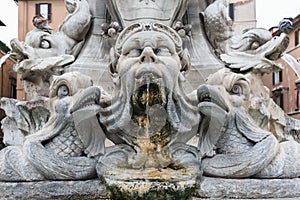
(45, 44)
(163, 51)
(254, 45)
(236, 89)
(134, 53)
(63, 91)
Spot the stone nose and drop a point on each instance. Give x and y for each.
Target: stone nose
(148, 55)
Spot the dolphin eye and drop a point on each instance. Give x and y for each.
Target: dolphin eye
(236, 89)
(45, 44)
(62, 91)
(254, 45)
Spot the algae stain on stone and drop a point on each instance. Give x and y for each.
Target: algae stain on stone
(156, 191)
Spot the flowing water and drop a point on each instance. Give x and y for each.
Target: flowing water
(292, 62)
(147, 106)
(147, 115)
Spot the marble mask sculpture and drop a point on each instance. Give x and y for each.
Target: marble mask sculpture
(149, 117)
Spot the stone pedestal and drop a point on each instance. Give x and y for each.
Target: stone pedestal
(248, 188)
(143, 190)
(43, 190)
(215, 188)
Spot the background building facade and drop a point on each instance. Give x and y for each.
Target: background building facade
(8, 83)
(284, 85)
(243, 14)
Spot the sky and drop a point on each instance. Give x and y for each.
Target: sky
(268, 14)
(9, 16)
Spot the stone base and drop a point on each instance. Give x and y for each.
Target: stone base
(248, 188)
(143, 190)
(215, 188)
(46, 190)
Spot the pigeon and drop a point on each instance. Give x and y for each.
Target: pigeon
(41, 23)
(286, 25)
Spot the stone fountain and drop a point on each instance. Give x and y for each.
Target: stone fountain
(148, 99)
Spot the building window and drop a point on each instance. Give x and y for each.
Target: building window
(231, 11)
(297, 37)
(43, 9)
(296, 94)
(278, 98)
(13, 88)
(277, 77)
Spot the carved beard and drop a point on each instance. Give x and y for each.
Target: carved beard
(181, 115)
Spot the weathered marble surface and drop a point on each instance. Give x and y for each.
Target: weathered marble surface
(248, 188)
(75, 190)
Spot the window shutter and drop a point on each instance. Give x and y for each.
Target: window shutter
(37, 9)
(49, 12)
(297, 33)
(280, 76)
(281, 101)
(13, 87)
(231, 10)
(296, 93)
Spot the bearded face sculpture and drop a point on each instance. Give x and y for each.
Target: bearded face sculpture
(149, 111)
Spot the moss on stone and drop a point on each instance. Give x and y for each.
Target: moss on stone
(155, 192)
